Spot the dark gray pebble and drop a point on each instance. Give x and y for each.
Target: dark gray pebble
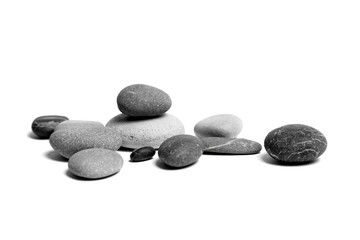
(180, 150)
(140, 100)
(142, 154)
(44, 126)
(230, 145)
(295, 143)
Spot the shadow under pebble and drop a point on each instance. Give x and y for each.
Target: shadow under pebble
(124, 149)
(52, 155)
(73, 176)
(35, 137)
(266, 158)
(162, 165)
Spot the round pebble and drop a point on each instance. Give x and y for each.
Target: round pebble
(70, 141)
(221, 125)
(95, 163)
(295, 143)
(180, 151)
(142, 154)
(44, 126)
(78, 124)
(140, 100)
(230, 145)
(140, 132)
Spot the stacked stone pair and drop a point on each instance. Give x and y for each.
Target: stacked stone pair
(144, 120)
(219, 133)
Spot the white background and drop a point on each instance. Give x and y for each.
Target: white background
(269, 62)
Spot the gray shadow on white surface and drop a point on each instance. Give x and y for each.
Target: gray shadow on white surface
(52, 155)
(266, 158)
(35, 137)
(162, 165)
(73, 176)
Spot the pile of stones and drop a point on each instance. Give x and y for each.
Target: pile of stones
(144, 126)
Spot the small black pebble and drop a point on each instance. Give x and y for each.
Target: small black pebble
(142, 154)
(44, 126)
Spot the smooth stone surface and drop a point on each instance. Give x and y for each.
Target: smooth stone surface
(142, 154)
(230, 145)
(44, 126)
(295, 143)
(221, 125)
(70, 141)
(95, 163)
(78, 124)
(180, 151)
(140, 100)
(140, 132)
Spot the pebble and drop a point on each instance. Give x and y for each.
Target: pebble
(95, 163)
(78, 124)
(140, 132)
(221, 125)
(142, 154)
(70, 141)
(295, 143)
(44, 126)
(140, 100)
(180, 150)
(230, 145)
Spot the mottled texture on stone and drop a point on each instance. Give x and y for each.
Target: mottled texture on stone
(221, 125)
(78, 124)
(140, 132)
(140, 100)
(95, 163)
(142, 154)
(70, 141)
(44, 126)
(180, 151)
(295, 143)
(230, 145)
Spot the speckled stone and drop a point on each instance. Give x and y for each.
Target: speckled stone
(180, 151)
(44, 126)
(78, 124)
(230, 145)
(295, 143)
(140, 100)
(95, 163)
(142, 154)
(70, 141)
(221, 125)
(139, 132)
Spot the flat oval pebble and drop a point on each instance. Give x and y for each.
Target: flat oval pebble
(140, 132)
(70, 141)
(142, 154)
(221, 125)
(44, 126)
(295, 143)
(78, 124)
(180, 151)
(230, 145)
(95, 163)
(140, 100)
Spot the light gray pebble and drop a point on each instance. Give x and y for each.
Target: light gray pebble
(70, 141)
(78, 124)
(221, 125)
(95, 163)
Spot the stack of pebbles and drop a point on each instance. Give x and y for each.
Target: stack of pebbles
(144, 122)
(219, 133)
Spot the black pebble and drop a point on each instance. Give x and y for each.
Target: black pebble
(142, 154)
(44, 126)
